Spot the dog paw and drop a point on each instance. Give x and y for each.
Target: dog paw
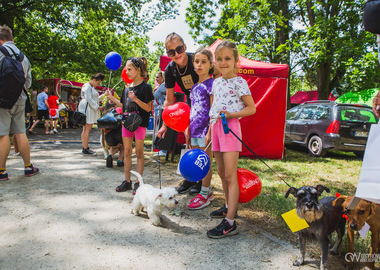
(298, 262)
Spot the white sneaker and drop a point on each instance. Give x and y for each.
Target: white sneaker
(51, 132)
(55, 131)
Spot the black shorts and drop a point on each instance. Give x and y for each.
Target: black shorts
(113, 138)
(43, 113)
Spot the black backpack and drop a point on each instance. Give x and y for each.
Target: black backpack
(12, 78)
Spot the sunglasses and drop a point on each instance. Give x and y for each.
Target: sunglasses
(180, 49)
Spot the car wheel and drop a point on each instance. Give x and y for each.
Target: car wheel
(315, 147)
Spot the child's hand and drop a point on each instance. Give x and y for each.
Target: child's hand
(227, 114)
(109, 94)
(132, 95)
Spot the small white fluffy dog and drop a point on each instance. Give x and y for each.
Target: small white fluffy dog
(153, 200)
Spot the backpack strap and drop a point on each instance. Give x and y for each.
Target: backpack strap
(19, 57)
(4, 51)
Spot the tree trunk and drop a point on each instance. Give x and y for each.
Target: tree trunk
(324, 70)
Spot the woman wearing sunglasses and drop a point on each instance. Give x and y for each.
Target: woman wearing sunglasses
(181, 71)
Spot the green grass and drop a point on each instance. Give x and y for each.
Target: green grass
(339, 171)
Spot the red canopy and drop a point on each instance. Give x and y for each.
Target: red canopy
(303, 96)
(263, 132)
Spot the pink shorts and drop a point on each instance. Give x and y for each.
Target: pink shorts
(226, 142)
(139, 133)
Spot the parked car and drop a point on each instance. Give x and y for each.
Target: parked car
(325, 125)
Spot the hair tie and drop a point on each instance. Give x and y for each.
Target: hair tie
(135, 62)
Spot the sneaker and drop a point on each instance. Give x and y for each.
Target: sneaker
(4, 176)
(185, 186)
(135, 187)
(210, 197)
(51, 132)
(220, 213)
(222, 230)
(31, 170)
(55, 131)
(200, 202)
(124, 186)
(196, 188)
(109, 161)
(87, 151)
(120, 163)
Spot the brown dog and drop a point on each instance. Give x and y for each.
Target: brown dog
(365, 212)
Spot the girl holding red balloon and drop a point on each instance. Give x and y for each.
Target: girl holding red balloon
(136, 98)
(230, 95)
(199, 134)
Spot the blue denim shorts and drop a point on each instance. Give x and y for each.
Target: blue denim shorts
(201, 142)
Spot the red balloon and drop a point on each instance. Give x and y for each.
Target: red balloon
(249, 185)
(125, 77)
(177, 116)
(52, 112)
(119, 110)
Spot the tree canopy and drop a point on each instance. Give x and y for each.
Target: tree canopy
(323, 41)
(70, 39)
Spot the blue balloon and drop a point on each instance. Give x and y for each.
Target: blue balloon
(113, 61)
(194, 165)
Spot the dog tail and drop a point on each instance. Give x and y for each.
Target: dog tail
(139, 177)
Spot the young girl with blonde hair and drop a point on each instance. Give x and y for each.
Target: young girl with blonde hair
(230, 95)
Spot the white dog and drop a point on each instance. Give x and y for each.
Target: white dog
(153, 200)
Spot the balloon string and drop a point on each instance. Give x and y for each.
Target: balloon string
(208, 145)
(109, 80)
(117, 84)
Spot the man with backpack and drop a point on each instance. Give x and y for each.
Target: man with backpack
(12, 101)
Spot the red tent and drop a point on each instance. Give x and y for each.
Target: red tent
(303, 96)
(263, 132)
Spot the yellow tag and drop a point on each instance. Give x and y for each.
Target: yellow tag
(294, 222)
(187, 81)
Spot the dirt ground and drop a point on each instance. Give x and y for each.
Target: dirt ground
(70, 217)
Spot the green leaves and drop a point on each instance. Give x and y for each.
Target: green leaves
(316, 38)
(70, 39)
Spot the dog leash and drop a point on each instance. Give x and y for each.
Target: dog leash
(227, 130)
(159, 161)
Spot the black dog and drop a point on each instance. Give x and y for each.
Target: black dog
(322, 218)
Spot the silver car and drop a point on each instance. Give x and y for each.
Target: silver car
(325, 125)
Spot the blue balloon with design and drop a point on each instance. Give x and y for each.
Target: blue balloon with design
(194, 165)
(113, 61)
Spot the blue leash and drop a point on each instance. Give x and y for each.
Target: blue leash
(227, 130)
